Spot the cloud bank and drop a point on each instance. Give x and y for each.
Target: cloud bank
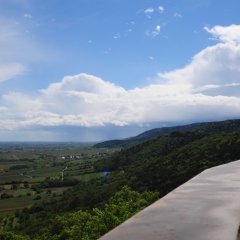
(205, 89)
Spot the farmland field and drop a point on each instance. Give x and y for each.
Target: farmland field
(30, 173)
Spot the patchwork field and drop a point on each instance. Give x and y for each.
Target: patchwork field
(33, 173)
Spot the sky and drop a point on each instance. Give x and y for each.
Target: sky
(91, 70)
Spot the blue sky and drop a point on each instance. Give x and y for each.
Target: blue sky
(86, 70)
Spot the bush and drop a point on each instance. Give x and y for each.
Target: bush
(5, 196)
(38, 197)
(11, 236)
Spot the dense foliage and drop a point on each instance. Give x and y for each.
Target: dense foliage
(11, 236)
(51, 183)
(92, 224)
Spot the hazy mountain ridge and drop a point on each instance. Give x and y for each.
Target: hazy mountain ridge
(205, 127)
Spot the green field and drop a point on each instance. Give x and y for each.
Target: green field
(34, 165)
(15, 203)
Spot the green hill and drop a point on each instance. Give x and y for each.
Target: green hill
(206, 127)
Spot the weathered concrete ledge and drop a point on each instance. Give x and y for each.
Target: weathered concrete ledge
(205, 208)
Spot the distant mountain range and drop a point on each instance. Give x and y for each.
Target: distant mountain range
(205, 127)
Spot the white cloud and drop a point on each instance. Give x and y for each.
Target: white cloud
(10, 38)
(8, 71)
(149, 10)
(116, 36)
(3, 109)
(229, 34)
(218, 64)
(156, 32)
(17, 49)
(208, 88)
(13, 37)
(177, 15)
(27, 15)
(161, 9)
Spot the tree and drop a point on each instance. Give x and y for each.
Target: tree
(6, 195)
(14, 186)
(11, 236)
(93, 224)
(26, 184)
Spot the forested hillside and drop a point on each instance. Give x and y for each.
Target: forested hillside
(151, 168)
(211, 127)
